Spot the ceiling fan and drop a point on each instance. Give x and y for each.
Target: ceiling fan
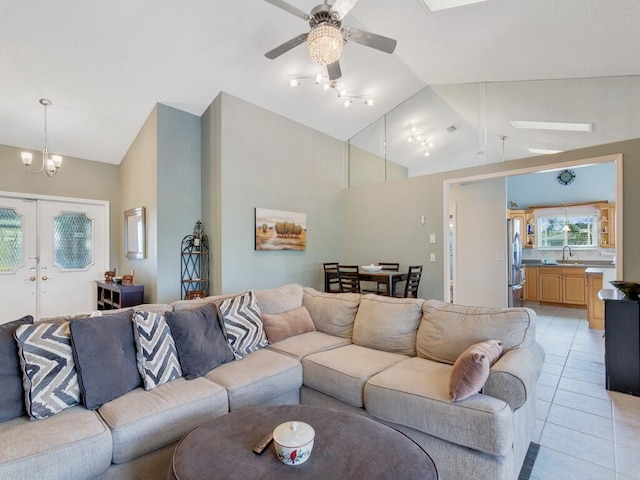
(327, 36)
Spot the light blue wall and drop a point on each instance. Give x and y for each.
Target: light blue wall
(593, 183)
(178, 193)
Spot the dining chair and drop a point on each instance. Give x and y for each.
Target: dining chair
(349, 278)
(381, 288)
(331, 281)
(413, 282)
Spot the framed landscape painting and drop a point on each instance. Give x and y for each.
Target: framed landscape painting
(280, 230)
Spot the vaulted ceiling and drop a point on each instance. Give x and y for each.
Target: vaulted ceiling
(105, 65)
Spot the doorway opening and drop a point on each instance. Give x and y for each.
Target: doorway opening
(477, 270)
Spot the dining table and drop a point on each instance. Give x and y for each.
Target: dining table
(390, 278)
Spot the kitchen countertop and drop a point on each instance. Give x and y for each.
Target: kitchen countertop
(554, 263)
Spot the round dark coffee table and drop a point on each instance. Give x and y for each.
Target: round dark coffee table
(347, 445)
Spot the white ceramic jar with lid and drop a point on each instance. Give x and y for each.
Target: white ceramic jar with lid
(293, 442)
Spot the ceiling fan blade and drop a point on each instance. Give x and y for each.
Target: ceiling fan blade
(342, 7)
(369, 39)
(334, 71)
(289, 8)
(286, 46)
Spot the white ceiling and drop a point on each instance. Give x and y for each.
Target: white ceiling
(105, 65)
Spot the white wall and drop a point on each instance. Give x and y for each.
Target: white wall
(481, 243)
(268, 161)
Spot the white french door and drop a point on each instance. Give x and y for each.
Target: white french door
(51, 253)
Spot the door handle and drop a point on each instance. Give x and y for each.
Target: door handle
(32, 278)
(44, 277)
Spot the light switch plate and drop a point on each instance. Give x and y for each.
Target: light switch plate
(432, 257)
(432, 238)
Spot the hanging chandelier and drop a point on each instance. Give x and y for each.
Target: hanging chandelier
(325, 44)
(50, 163)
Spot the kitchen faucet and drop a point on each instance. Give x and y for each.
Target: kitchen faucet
(563, 252)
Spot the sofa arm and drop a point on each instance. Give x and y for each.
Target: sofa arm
(513, 377)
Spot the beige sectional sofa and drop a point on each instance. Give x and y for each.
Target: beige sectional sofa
(387, 358)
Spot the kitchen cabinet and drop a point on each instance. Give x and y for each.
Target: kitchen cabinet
(527, 226)
(550, 284)
(563, 285)
(574, 288)
(529, 239)
(595, 306)
(531, 283)
(608, 225)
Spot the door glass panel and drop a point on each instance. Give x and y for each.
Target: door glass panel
(11, 240)
(73, 240)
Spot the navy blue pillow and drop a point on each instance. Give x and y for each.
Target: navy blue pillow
(200, 340)
(11, 391)
(105, 354)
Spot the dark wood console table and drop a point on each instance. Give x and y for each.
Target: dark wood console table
(622, 343)
(115, 295)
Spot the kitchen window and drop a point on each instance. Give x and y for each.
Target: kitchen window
(575, 227)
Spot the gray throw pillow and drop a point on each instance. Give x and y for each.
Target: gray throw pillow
(11, 392)
(105, 356)
(199, 339)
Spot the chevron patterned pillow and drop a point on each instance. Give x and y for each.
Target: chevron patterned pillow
(156, 352)
(49, 373)
(242, 320)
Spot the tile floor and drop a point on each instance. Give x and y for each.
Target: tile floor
(585, 431)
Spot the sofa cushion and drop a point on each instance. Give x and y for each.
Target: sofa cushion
(281, 299)
(471, 369)
(11, 393)
(75, 444)
(49, 373)
(480, 422)
(156, 352)
(243, 324)
(343, 371)
(300, 346)
(199, 339)
(446, 330)
(332, 313)
(147, 307)
(180, 305)
(105, 356)
(257, 378)
(287, 324)
(143, 421)
(388, 324)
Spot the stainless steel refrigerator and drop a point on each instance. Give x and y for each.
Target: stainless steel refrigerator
(514, 264)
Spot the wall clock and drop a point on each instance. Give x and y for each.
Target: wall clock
(565, 177)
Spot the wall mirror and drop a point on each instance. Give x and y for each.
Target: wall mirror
(134, 228)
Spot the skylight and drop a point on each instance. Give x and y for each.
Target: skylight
(564, 126)
(435, 5)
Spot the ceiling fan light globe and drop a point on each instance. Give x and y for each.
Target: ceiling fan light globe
(325, 43)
